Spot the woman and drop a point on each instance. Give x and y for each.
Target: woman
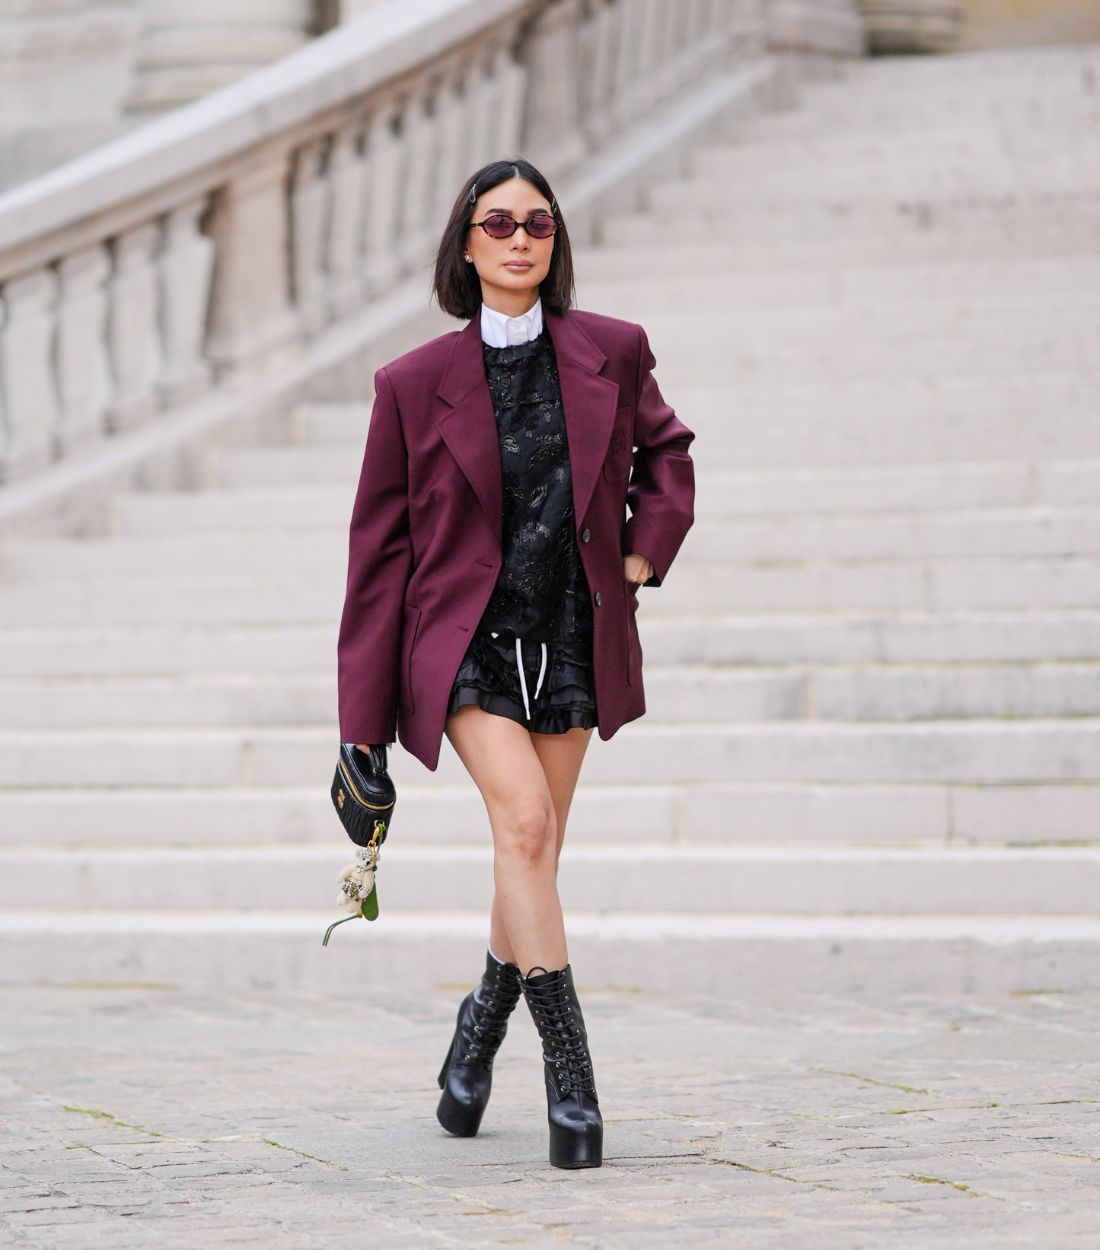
(492, 585)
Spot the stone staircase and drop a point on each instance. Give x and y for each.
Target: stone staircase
(872, 749)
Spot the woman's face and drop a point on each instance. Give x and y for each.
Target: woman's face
(510, 269)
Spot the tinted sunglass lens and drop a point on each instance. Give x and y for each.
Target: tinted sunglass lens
(541, 227)
(499, 226)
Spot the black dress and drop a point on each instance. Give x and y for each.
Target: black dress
(530, 658)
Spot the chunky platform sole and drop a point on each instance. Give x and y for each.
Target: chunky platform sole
(576, 1149)
(455, 1117)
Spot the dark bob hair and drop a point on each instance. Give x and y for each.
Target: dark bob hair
(456, 286)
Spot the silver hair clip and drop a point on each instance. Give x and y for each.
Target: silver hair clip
(473, 194)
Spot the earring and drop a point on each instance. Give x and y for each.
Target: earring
(469, 261)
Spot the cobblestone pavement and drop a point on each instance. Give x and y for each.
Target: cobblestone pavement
(151, 1116)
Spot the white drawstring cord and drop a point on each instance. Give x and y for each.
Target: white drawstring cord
(523, 678)
(542, 671)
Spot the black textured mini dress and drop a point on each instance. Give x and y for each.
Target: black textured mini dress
(530, 658)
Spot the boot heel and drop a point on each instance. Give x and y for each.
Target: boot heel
(466, 1077)
(442, 1078)
(576, 1148)
(461, 1119)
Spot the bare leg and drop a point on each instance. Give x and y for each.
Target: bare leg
(500, 756)
(561, 756)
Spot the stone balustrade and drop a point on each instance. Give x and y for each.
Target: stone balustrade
(197, 250)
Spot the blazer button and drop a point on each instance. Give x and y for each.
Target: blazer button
(599, 598)
(586, 534)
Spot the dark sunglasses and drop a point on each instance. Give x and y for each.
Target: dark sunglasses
(501, 226)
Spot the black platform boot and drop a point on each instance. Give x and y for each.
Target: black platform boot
(572, 1108)
(466, 1077)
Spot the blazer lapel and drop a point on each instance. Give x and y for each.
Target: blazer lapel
(589, 401)
(469, 428)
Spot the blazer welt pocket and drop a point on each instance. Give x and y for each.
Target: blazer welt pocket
(616, 468)
(620, 447)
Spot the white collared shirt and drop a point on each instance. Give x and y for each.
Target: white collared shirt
(500, 330)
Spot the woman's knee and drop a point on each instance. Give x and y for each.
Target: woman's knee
(526, 829)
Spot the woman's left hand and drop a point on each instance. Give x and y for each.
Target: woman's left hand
(637, 569)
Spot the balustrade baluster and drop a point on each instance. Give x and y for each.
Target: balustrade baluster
(482, 121)
(452, 167)
(186, 269)
(250, 311)
(347, 196)
(512, 87)
(383, 197)
(26, 368)
(414, 241)
(552, 132)
(80, 360)
(309, 222)
(132, 336)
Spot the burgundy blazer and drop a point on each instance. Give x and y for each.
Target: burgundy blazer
(425, 540)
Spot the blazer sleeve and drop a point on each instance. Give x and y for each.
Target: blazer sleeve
(379, 562)
(661, 494)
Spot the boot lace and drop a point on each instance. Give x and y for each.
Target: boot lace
(491, 1005)
(570, 1058)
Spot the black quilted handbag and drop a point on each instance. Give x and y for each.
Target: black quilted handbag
(363, 794)
(364, 797)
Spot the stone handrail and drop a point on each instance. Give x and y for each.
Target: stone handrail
(216, 239)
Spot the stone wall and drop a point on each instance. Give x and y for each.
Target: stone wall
(188, 48)
(993, 22)
(65, 62)
(912, 25)
(76, 73)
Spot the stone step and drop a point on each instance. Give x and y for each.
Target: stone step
(1024, 349)
(627, 952)
(1031, 531)
(437, 813)
(862, 219)
(718, 494)
(919, 320)
(722, 587)
(819, 242)
(793, 439)
(592, 877)
(872, 428)
(830, 751)
(323, 423)
(977, 141)
(931, 324)
(910, 111)
(273, 466)
(674, 693)
(246, 539)
(970, 173)
(760, 638)
(877, 113)
(681, 261)
(769, 298)
(903, 489)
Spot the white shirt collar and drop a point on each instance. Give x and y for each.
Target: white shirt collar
(500, 330)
